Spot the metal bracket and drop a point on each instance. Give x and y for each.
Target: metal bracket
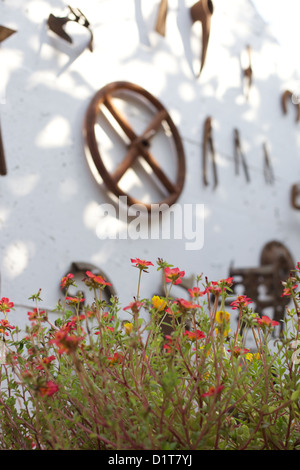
(56, 24)
(287, 95)
(295, 194)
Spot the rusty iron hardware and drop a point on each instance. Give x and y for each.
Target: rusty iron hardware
(139, 146)
(263, 284)
(288, 95)
(56, 24)
(202, 11)
(4, 34)
(268, 170)
(160, 26)
(209, 144)
(295, 193)
(79, 268)
(248, 74)
(239, 155)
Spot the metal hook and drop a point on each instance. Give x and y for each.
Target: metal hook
(160, 26)
(287, 94)
(208, 142)
(57, 24)
(248, 74)
(202, 11)
(295, 193)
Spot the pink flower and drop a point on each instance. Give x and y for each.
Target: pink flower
(134, 306)
(240, 302)
(5, 305)
(213, 391)
(287, 291)
(266, 321)
(141, 264)
(67, 281)
(74, 300)
(193, 335)
(95, 281)
(186, 304)
(173, 275)
(48, 389)
(196, 292)
(4, 325)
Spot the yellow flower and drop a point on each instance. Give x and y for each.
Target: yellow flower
(222, 317)
(128, 328)
(158, 303)
(250, 356)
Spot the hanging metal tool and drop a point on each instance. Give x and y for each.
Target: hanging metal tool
(295, 193)
(248, 74)
(57, 24)
(288, 95)
(4, 34)
(160, 26)
(208, 144)
(268, 170)
(202, 11)
(239, 155)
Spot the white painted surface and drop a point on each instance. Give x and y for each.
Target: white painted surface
(49, 201)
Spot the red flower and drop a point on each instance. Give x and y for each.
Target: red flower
(65, 341)
(193, 335)
(67, 281)
(46, 361)
(266, 321)
(171, 345)
(237, 351)
(4, 325)
(213, 391)
(196, 292)
(287, 290)
(173, 275)
(74, 300)
(186, 304)
(48, 389)
(5, 305)
(134, 306)
(36, 315)
(141, 264)
(116, 359)
(95, 281)
(240, 302)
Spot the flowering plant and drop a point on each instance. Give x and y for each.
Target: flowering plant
(90, 380)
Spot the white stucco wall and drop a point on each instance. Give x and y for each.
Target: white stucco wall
(49, 200)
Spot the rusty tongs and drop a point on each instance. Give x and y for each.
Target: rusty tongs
(56, 24)
(208, 142)
(238, 155)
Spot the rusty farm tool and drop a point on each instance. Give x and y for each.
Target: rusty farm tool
(208, 145)
(202, 11)
(57, 24)
(139, 146)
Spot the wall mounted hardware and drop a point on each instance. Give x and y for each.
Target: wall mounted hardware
(263, 283)
(57, 24)
(248, 74)
(295, 196)
(160, 26)
(286, 96)
(202, 11)
(208, 145)
(139, 145)
(268, 170)
(239, 156)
